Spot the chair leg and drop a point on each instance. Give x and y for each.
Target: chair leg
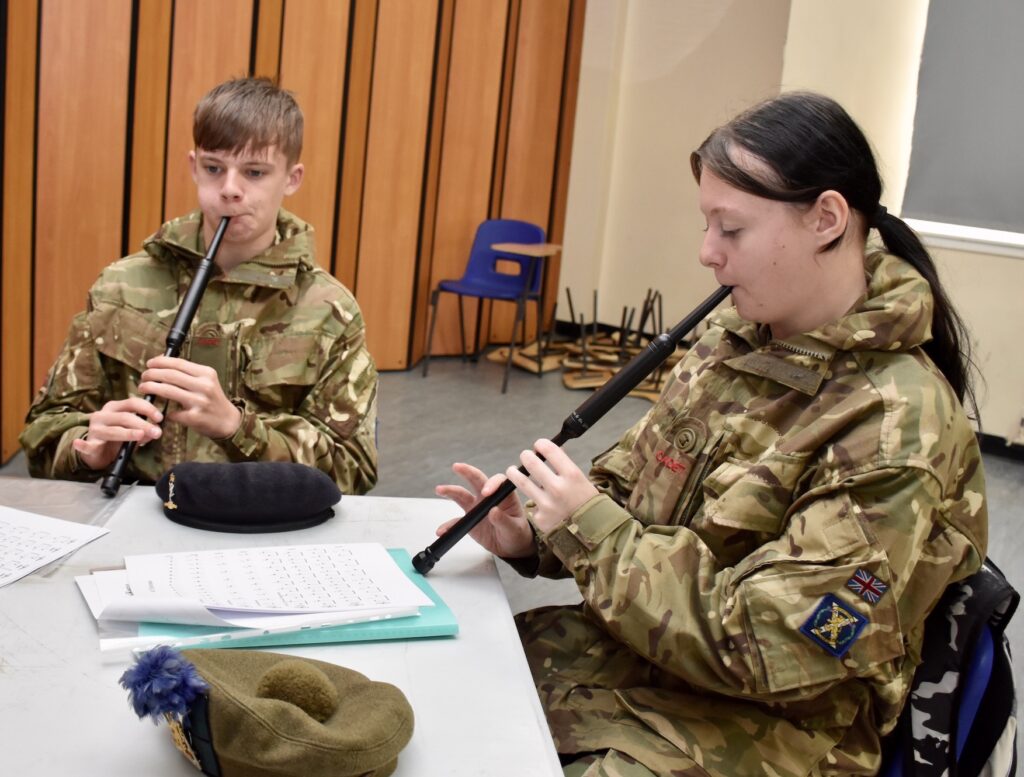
(540, 340)
(462, 330)
(520, 318)
(476, 332)
(430, 329)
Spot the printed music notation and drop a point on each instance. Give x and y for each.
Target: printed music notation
(29, 542)
(296, 578)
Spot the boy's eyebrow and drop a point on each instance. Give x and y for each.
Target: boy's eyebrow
(247, 159)
(208, 156)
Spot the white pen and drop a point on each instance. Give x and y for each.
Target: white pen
(140, 645)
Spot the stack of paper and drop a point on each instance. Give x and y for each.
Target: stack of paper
(29, 542)
(263, 591)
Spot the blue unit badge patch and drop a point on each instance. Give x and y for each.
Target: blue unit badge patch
(834, 625)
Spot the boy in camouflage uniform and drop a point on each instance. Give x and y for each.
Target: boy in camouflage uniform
(757, 556)
(276, 366)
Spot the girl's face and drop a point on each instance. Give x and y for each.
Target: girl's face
(768, 252)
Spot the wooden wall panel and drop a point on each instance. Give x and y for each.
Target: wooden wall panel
(566, 125)
(432, 178)
(212, 43)
(83, 103)
(313, 67)
(149, 121)
(536, 97)
(393, 193)
(533, 123)
(505, 110)
(470, 132)
(357, 119)
(267, 47)
(16, 383)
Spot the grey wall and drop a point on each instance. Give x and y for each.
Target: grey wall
(967, 158)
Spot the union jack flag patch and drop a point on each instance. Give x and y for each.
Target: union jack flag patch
(867, 586)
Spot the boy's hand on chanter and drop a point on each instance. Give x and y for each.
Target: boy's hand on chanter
(196, 390)
(117, 422)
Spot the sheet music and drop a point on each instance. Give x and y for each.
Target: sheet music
(297, 578)
(29, 541)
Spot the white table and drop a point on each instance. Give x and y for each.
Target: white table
(62, 711)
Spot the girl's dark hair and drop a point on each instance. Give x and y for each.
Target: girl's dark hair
(808, 144)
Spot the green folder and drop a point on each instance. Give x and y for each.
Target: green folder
(436, 621)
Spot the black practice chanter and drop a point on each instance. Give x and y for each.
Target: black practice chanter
(581, 419)
(175, 338)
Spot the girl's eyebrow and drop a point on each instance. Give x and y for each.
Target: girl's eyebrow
(719, 210)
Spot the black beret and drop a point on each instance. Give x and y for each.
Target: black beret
(250, 496)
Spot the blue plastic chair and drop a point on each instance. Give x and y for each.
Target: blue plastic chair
(979, 672)
(966, 667)
(483, 281)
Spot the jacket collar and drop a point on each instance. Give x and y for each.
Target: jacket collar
(895, 314)
(276, 267)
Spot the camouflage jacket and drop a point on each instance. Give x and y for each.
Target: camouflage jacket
(768, 541)
(286, 339)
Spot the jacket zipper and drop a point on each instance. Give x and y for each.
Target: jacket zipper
(800, 351)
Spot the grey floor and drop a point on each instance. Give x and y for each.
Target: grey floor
(458, 413)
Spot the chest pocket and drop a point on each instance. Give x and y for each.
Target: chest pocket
(216, 346)
(745, 503)
(670, 458)
(280, 371)
(129, 339)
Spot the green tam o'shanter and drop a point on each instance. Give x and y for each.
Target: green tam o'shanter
(250, 713)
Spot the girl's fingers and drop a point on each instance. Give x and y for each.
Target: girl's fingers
(457, 494)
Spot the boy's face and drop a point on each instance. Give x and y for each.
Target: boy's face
(249, 187)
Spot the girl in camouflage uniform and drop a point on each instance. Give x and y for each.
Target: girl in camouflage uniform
(757, 555)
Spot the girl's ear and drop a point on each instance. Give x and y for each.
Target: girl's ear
(830, 216)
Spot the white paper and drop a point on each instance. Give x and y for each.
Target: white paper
(29, 541)
(287, 579)
(110, 599)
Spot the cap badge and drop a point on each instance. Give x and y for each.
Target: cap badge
(181, 740)
(169, 504)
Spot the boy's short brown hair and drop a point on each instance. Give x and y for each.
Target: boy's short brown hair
(248, 114)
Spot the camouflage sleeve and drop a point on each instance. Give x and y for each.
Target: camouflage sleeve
(334, 427)
(75, 386)
(607, 474)
(607, 468)
(787, 621)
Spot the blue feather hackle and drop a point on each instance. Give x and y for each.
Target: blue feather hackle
(162, 681)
